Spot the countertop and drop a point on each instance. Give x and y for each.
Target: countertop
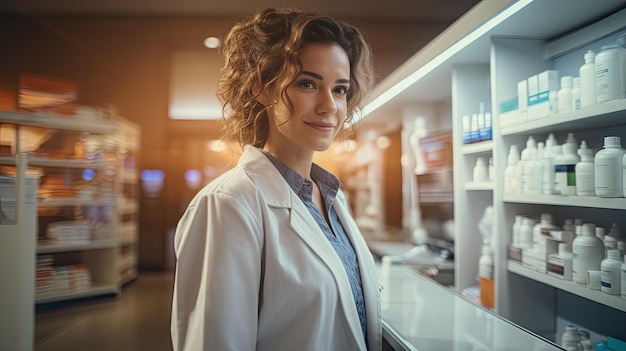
(420, 314)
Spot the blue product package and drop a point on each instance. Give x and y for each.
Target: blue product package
(616, 344)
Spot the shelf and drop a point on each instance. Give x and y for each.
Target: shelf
(89, 292)
(477, 148)
(110, 201)
(608, 114)
(479, 185)
(54, 121)
(575, 201)
(57, 247)
(36, 161)
(613, 301)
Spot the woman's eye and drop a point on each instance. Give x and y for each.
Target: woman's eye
(307, 84)
(342, 90)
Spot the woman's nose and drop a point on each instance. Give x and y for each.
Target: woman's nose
(326, 103)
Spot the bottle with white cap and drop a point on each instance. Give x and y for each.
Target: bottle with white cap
(565, 98)
(570, 338)
(608, 164)
(588, 80)
(588, 253)
(609, 76)
(512, 181)
(610, 279)
(547, 164)
(585, 172)
(612, 238)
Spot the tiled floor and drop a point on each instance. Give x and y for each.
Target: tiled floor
(138, 319)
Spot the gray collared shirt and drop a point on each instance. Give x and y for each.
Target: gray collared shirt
(335, 233)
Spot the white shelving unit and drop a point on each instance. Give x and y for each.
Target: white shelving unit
(17, 266)
(481, 58)
(87, 171)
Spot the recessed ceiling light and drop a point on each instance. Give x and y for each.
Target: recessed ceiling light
(212, 42)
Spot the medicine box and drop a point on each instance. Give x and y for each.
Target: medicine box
(534, 259)
(510, 114)
(542, 92)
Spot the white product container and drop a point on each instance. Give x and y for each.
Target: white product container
(526, 233)
(543, 228)
(623, 275)
(560, 265)
(588, 253)
(609, 168)
(576, 93)
(570, 338)
(511, 180)
(612, 239)
(587, 74)
(610, 279)
(517, 224)
(609, 73)
(529, 163)
(565, 167)
(624, 174)
(480, 173)
(547, 165)
(565, 100)
(585, 171)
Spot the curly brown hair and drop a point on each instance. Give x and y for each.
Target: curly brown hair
(261, 52)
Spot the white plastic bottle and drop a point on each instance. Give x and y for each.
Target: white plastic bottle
(612, 239)
(624, 172)
(588, 252)
(560, 265)
(527, 156)
(623, 274)
(517, 224)
(610, 279)
(511, 180)
(570, 338)
(609, 168)
(526, 233)
(547, 165)
(609, 73)
(585, 170)
(480, 172)
(565, 167)
(576, 93)
(587, 73)
(543, 227)
(532, 178)
(565, 98)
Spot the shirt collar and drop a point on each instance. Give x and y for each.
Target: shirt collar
(326, 180)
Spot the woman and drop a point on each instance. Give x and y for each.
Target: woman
(268, 257)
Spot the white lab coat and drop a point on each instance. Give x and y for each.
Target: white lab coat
(255, 272)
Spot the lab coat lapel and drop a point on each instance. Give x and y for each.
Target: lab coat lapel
(305, 226)
(369, 279)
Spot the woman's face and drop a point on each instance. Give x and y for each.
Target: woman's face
(319, 99)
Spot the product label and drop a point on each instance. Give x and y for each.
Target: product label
(623, 273)
(606, 174)
(609, 280)
(565, 178)
(485, 271)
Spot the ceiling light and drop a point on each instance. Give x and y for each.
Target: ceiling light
(212, 42)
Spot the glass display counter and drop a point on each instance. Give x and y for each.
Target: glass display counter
(420, 314)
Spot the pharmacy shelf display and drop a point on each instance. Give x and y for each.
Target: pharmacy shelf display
(481, 59)
(86, 207)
